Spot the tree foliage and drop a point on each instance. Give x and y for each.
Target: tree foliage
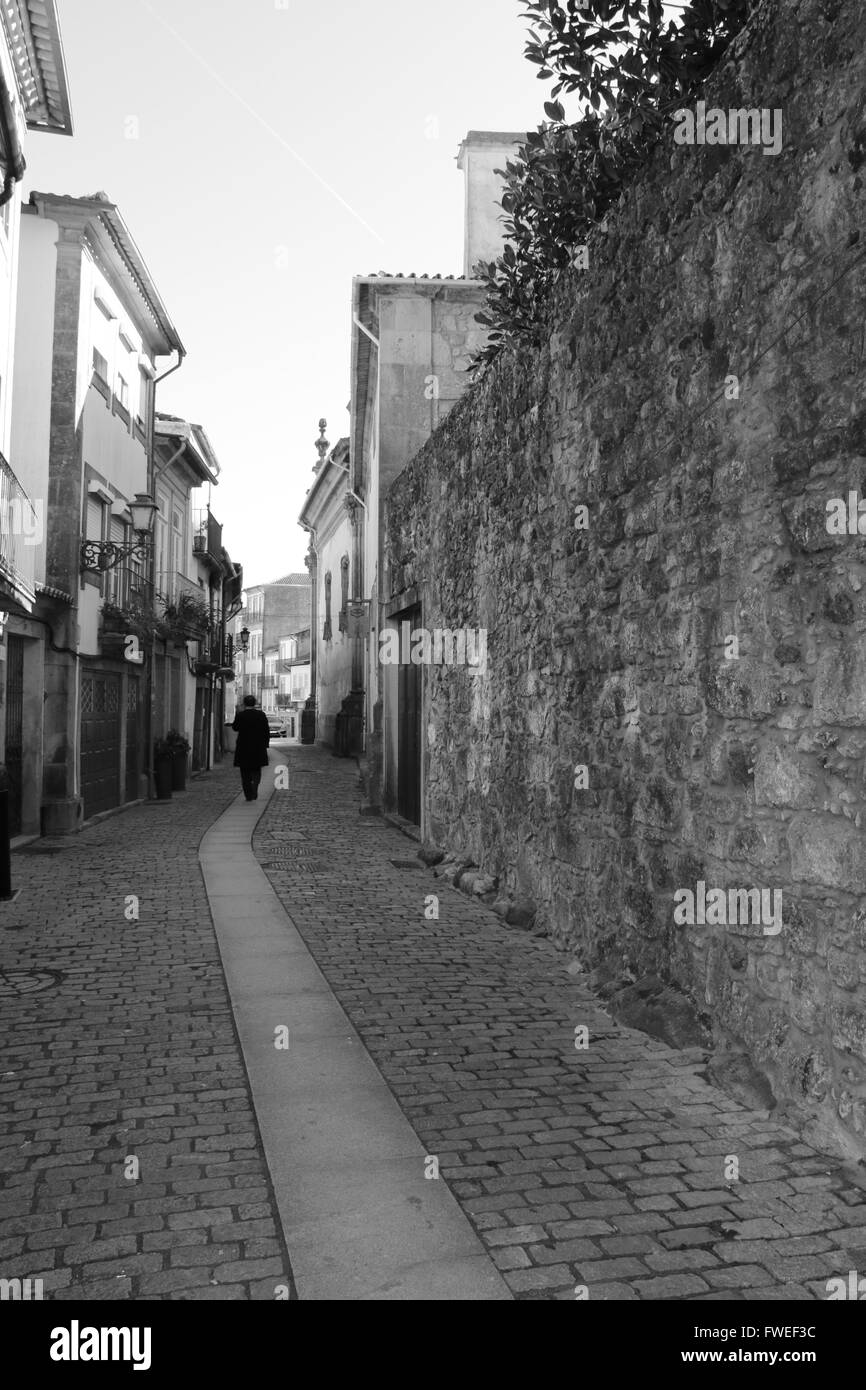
(632, 67)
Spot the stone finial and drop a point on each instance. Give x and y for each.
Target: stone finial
(322, 445)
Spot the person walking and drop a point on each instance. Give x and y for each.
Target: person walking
(251, 750)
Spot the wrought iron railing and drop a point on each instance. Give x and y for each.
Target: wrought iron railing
(21, 532)
(207, 536)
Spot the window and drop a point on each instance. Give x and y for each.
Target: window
(115, 588)
(164, 583)
(102, 306)
(95, 518)
(326, 633)
(143, 398)
(94, 528)
(343, 620)
(100, 366)
(176, 540)
(136, 575)
(123, 391)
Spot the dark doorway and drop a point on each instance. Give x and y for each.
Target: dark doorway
(100, 742)
(15, 728)
(409, 730)
(199, 748)
(134, 736)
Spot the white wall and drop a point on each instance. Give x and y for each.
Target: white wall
(34, 346)
(9, 243)
(110, 446)
(334, 658)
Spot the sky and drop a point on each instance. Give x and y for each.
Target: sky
(262, 152)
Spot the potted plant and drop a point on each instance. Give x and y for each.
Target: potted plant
(180, 747)
(188, 616)
(163, 768)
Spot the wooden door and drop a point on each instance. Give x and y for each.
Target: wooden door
(100, 741)
(409, 732)
(15, 728)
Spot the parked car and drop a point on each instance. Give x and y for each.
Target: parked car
(277, 727)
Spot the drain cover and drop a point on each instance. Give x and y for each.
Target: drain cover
(14, 983)
(285, 866)
(291, 851)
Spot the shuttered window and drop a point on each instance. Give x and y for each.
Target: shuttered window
(95, 512)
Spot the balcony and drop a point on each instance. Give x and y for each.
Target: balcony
(301, 657)
(207, 541)
(128, 612)
(21, 533)
(185, 608)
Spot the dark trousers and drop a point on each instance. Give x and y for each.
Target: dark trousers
(250, 778)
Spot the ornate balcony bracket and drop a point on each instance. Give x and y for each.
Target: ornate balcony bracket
(104, 555)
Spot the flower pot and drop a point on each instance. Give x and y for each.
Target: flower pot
(178, 770)
(163, 769)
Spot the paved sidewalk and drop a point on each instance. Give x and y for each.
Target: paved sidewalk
(607, 1168)
(360, 1217)
(130, 1160)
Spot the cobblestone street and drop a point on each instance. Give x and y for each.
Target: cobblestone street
(132, 1162)
(602, 1167)
(118, 1043)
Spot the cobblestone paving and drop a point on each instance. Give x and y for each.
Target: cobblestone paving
(117, 1041)
(603, 1167)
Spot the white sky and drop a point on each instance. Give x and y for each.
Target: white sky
(252, 254)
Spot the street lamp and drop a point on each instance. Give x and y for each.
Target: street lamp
(104, 555)
(245, 638)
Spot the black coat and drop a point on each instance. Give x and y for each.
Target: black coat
(251, 726)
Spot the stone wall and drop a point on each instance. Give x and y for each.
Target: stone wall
(702, 395)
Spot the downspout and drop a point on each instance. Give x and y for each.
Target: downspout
(344, 468)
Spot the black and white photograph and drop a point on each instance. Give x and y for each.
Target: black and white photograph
(432, 673)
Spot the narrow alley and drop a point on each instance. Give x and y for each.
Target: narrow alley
(263, 1075)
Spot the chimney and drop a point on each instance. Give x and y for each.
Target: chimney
(480, 153)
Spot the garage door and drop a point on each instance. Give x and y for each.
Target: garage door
(100, 742)
(15, 728)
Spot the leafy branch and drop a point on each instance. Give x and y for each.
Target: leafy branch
(632, 68)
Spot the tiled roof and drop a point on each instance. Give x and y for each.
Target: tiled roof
(105, 215)
(293, 579)
(410, 275)
(36, 47)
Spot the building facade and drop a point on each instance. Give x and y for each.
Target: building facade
(413, 338)
(293, 680)
(34, 96)
(195, 585)
(87, 349)
(329, 522)
(271, 613)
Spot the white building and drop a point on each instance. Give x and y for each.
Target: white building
(34, 96)
(91, 330)
(412, 341)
